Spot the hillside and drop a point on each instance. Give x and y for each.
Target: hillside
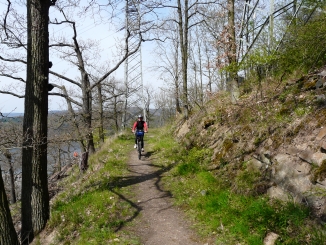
(250, 172)
(279, 130)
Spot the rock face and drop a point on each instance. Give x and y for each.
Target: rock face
(298, 170)
(292, 152)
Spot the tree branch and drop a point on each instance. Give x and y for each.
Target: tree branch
(5, 19)
(65, 78)
(127, 54)
(61, 45)
(12, 77)
(13, 60)
(66, 97)
(11, 93)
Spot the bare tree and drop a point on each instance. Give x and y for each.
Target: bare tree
(148, 96)
(108, 106)
(189, 13)
(8, 234)
(35, 196)
(169, 62)
(113, 103)
(6, 153)
(74, 53)
(35, 201)
(164, 105)
(100, 112)
(10, 145)
(183, 24)
(232, 50)
(196, 62)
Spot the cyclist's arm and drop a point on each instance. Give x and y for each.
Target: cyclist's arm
(145, 127)
(134, 127)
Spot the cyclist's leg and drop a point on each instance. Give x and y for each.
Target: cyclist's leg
(135, 146)
(142, 142)
(139, 145)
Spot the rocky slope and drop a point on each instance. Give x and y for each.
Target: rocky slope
(278, 129)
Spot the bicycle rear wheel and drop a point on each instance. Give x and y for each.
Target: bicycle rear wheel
(139, 148)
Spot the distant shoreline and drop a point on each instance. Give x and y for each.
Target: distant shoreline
(19, 114)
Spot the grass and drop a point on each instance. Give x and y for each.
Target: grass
(218, 209)
(95, 208)
(98, 204)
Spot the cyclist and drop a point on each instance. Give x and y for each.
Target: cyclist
(139, 125)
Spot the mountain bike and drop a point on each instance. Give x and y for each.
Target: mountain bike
(139, 137)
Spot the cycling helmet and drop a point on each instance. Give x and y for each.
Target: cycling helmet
(140, 116)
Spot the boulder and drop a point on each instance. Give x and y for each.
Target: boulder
(306, 155)
(321, 134)
(318, 158)
(270, 238)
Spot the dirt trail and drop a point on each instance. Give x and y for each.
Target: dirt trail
(159, 222)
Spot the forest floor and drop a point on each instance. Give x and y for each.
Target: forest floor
(159, 222)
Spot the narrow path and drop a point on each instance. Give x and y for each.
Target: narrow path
(159, 222)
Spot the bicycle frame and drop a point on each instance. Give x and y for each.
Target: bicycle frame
(139, 135)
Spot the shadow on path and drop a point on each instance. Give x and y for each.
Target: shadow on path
(137, 177)
(122, 181)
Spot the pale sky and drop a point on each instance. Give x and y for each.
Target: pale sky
(107, 35)
(109, 38)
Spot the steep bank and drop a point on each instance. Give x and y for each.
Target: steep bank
(278, 129)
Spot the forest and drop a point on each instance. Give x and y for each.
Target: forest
(199, 49)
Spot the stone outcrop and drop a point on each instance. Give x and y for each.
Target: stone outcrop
(297, 170)
(294, 154)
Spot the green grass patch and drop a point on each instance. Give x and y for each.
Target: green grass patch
(219, 203)
(228, 211)
(95, 207)
(193, 161)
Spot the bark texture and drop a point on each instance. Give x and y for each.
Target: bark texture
(35, 196)
(7, 154)
(183, 36)
(232, 52)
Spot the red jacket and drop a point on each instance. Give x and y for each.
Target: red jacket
(135, 126)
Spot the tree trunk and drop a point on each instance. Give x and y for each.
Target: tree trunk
(76, 125)
(7, 154)
(83, 166)
(12, 184)
(8, 234)
(35, 195)
(183, 34)
(209, 69)
(176, 78)
(87, 111)
(58, 168)
(232, 52)
(231, 33)
(87, 95)
(177, 101)
(100, 104)
(116, 114)
(201, 95)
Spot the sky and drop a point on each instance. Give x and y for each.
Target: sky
(108, 37)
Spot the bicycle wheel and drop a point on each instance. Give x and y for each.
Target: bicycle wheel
(139, 148)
